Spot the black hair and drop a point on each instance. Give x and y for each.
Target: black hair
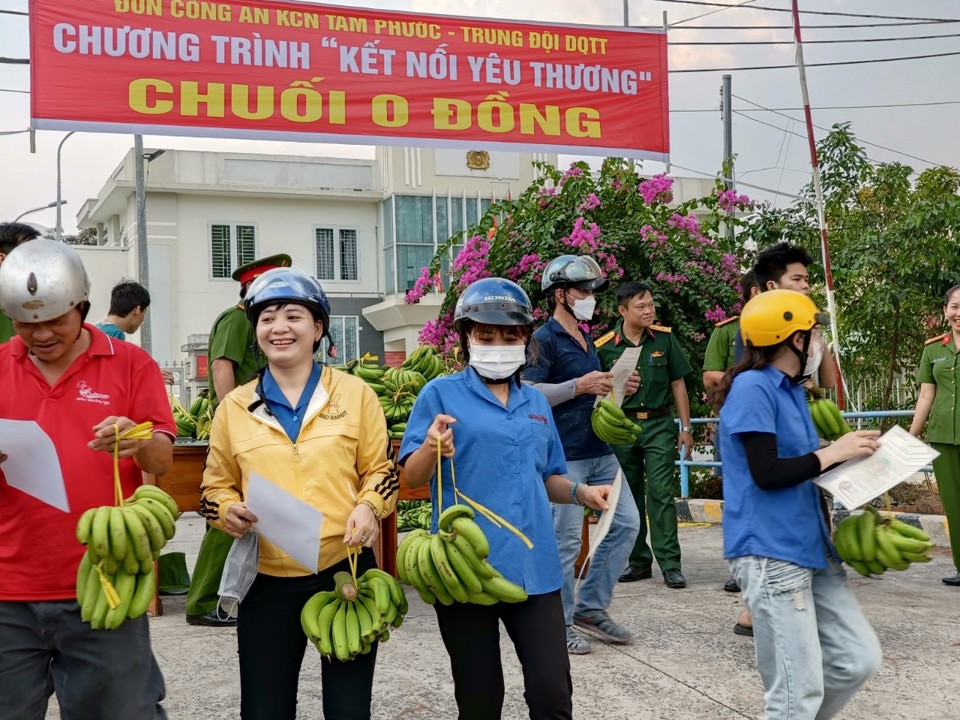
(748, 281)
(127, 297)
(14, 233)
(753, 358)
(630, 290)
(951, 291)
(773, 260)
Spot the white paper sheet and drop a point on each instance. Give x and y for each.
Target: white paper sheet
(622, 369)
(285, 520)
(606, 519)
(32, 464)
(859, 481)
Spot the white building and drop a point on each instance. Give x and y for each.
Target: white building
(365, 228)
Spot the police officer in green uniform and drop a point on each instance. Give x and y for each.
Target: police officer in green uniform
(11, 235)
(232, 362)
(939, 378)
(648, 463)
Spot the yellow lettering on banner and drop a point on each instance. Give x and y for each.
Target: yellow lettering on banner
(585, 44)
(240, 102)
(492, 36)
(407, 29)
(547, 122)
(257, 16)
(201, 10)
(583, 122)
(346, 24)
(390, 111)
(138, 94)
(139, 7)
(496, 115)
(451, 114)
(298, 19)
(191, 99)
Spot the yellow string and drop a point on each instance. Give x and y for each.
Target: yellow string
(353, 555)
(113, 597)
(440, 476)
(142, 431)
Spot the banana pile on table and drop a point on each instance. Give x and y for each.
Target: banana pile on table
(397, 388)
(345, 622)
(611, 425)
(193, 422)
(116, 579)
(451, 566)
(872, 543)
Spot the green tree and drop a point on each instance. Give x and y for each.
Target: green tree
(893, 250)
(629, 225)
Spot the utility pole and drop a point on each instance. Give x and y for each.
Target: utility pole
(726, 107)
(143, 261)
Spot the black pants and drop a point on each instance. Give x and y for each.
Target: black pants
(271, 644)
(471, 634)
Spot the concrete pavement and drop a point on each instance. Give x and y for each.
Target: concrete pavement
(685, 663)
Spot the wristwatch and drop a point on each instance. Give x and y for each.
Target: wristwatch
(686, 429)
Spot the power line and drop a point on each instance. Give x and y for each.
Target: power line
(816, 42)
(824, 107)
(813, 12)
(713, 12)
(745, 184)
(11, 90)
(14, 61)
(14, 12)
(820, 127)
(846, 26)
(823, 64)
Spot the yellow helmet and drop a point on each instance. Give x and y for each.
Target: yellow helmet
(773, 316)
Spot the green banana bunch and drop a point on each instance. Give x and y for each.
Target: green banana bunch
(200, 404)
(122, 544)
(611, 425)
(413, 514)
(397, 430)
(872, 544)
(203, 423)
(369, 372)
(451, 566)
(345, 622)
(426, 361)
(827, 419)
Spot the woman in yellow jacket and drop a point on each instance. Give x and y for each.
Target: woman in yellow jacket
(319, 434)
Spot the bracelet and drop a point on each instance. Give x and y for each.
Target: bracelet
(686, 429)
(573, 494)
(372, 507)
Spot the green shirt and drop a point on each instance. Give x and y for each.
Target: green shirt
(232, 338)
(661, 362)
(6, 328)
(938, 366)
(112, 330)
(721, 346)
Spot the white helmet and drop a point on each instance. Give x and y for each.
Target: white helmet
(41, 280)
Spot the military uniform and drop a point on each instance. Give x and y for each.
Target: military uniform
(232, 337)
(6, 328)
(722, 345)
(648, 463)
(939, 366)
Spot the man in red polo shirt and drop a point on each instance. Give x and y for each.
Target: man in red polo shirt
(75, 383)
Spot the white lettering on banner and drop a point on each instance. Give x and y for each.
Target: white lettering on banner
(138, 43)
(257, 52)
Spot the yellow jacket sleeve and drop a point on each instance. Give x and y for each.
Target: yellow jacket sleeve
(222, 484)
(379, 482)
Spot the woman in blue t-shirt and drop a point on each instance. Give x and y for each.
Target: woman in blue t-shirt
(510, 460)
(815, 649)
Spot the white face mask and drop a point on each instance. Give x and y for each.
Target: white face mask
(814, 356)
(497, 362)
(583, 308)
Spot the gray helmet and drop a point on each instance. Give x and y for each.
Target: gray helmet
(579, 271)
(41, 280)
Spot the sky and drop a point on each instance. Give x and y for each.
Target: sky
(921, 129)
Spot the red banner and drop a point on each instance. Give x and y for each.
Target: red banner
(323, 73)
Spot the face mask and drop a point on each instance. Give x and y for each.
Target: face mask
(583, 309)
(814, 357)
(497, 362)
(239, 572)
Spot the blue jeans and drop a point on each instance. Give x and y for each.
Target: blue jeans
(815, 649)
(97, 674)
(610, 559)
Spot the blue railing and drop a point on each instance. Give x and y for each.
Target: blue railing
(859, 417)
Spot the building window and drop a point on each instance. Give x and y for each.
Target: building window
(230, 247)
(345, 331)
(337, 254)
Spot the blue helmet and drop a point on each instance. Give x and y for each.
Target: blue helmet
(494, 301)
(287, 285)
(579, 271)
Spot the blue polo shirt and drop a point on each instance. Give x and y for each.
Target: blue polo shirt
(785, 524)
(558, 357)
(503, 456)
(291, 418)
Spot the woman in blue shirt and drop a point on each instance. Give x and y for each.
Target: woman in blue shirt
(815, 649)
(509, 459)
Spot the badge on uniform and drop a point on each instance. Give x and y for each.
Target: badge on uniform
(654, 354)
